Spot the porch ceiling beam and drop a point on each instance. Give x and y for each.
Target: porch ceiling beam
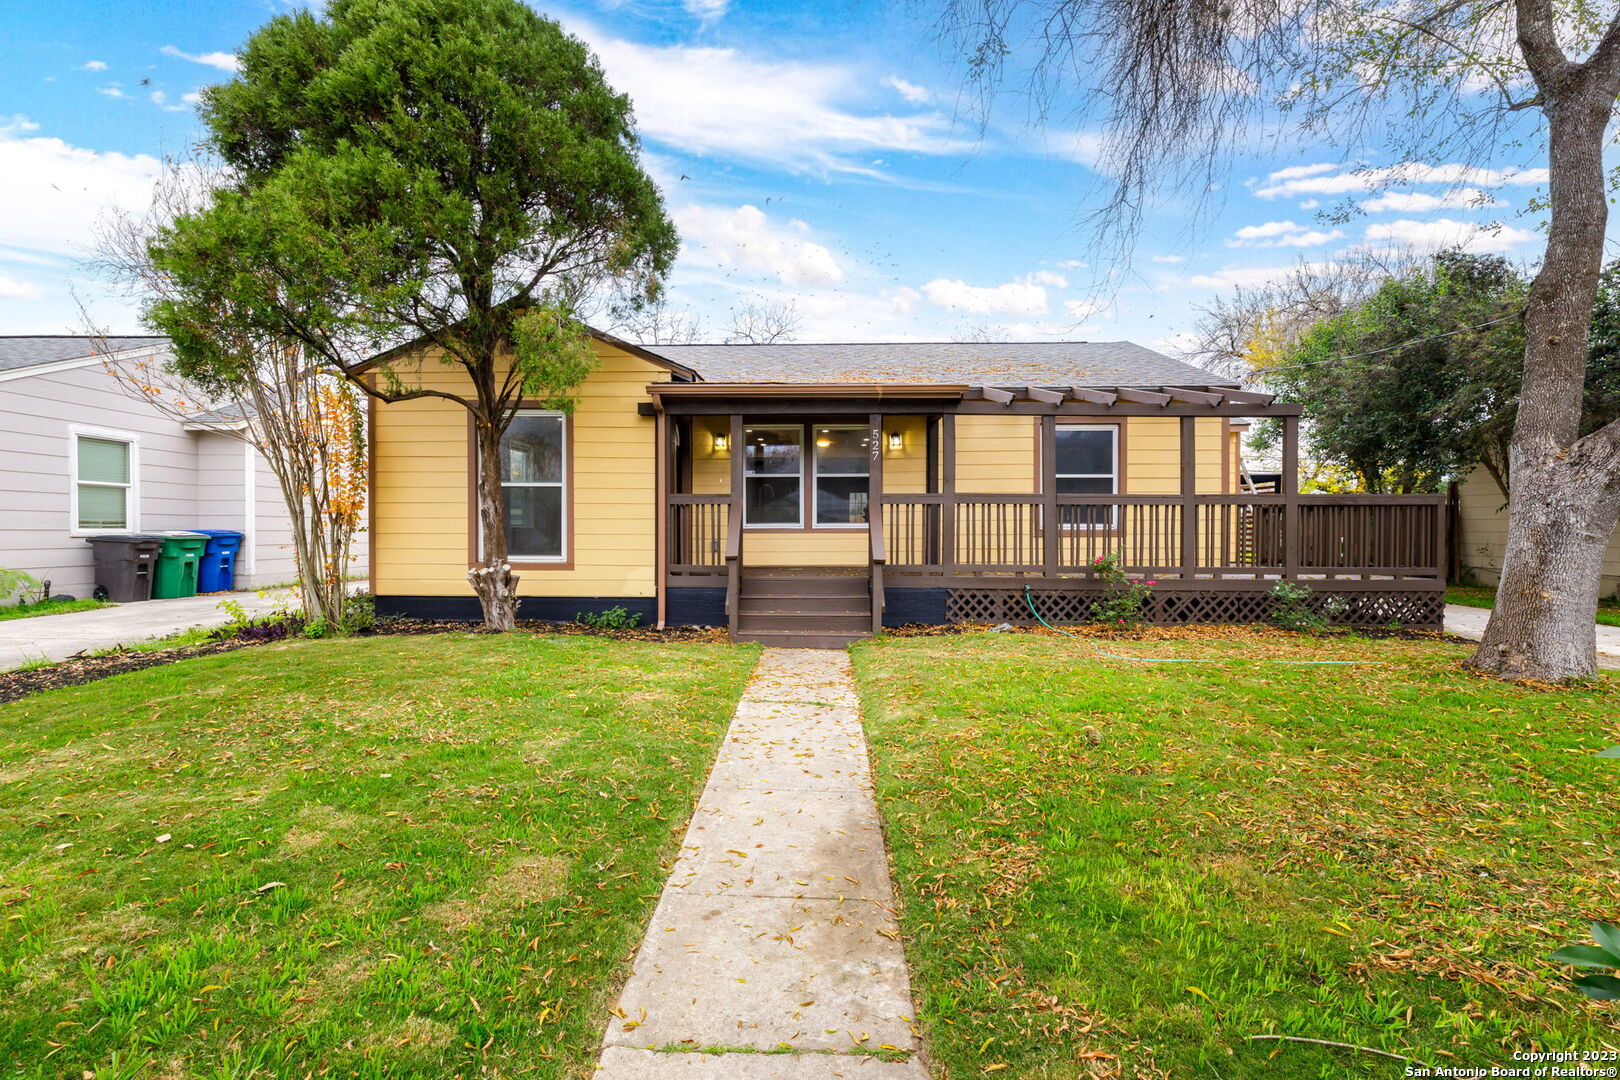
(1094, 397)
(1192, 397)
(1035, 393)
(1141, 397)
(1248, 397)
(988, 393)
(829, 407)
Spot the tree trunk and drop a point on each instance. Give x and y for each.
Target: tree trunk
(492, 579)
(1563, 501)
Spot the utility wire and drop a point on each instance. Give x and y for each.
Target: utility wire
(1262, 372)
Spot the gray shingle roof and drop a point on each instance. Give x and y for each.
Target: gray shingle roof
(22, 352)
(1029, 363)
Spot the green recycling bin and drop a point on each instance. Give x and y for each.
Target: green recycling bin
(177, 564)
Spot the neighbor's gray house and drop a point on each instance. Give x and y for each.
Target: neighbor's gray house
(79, 455)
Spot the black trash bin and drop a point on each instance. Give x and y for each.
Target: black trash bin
(124, 565)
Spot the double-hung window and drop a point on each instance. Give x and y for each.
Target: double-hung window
(103, 483)
(534, 470)
(843, 474)
(1087, 464)
(773, 472)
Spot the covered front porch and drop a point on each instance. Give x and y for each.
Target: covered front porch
(760, 482)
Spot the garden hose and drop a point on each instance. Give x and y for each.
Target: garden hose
(1029, 599)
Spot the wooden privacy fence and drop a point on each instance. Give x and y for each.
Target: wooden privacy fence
(1335, 536)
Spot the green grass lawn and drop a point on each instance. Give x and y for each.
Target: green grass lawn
(1608, 612)
(1377, 855)
(29, 611)
(406, 856)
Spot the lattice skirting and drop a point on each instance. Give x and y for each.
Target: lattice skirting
(1370, 608)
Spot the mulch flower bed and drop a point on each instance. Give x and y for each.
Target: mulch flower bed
(73, 672)
(85, 669)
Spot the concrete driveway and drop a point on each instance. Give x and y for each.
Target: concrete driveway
(1469, 622)
(58, 637)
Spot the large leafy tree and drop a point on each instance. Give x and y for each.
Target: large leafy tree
(1173, 87)
(451, 176)
(1420, 382)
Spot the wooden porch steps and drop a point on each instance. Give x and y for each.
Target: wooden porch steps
(804, 607)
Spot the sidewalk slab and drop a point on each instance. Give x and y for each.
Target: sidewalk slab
(776, 930)
(1469, 622)
(627, 1064)
(61, 637)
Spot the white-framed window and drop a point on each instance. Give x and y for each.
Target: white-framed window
(104, 489)
(843, 475)
(773, 475)
(1087, 464)
(534, 486)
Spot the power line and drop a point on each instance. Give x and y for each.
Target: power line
(1388, 348)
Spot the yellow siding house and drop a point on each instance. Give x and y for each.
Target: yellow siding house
(811, 494)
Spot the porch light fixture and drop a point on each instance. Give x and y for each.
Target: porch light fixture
(721, 442)
(895, 442)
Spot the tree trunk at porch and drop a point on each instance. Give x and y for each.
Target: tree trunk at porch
(1565, 489)
(492, 579)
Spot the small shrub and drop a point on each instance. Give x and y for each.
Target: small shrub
(360, 614)
(17, 583)
(614, 618)
(1602, 957)
(1291, 608)
(1123, 597)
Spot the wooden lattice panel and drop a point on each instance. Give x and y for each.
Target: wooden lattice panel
(1181, 607)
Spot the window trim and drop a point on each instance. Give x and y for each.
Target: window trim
(1116, 431)
(132, 490)
(475, 530)
(816, 474)
(799, 524)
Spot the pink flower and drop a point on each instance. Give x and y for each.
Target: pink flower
(1122, 622)
(1153, 583)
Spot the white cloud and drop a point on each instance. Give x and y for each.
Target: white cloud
(53, 193)
(1082, 147)
(799, 116)
(916, 95)
(1444, 233)
(1169, 258)
(1072, 264)
(1299, 172)
(1021, 296)
(111, 91)
(1415, 202)
(161, 100)
(745, 238)
(193, 98)
(1083, 309)
(707, 10)
(1046, 277)
(224, 61)
(1246, 277)
(1288, 182)
(1281, 234)
(94, 65)
(12, 289)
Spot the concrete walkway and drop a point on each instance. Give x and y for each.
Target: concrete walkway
(58, 637)
(1469, 622)
(776, 930)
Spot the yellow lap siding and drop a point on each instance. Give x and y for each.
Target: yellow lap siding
(421, 497)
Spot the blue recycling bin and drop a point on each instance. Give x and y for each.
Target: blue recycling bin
(217, 571)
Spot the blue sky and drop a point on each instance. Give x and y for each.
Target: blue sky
(810, 153)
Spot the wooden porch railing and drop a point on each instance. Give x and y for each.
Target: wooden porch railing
(1349, 536)
(698, 532)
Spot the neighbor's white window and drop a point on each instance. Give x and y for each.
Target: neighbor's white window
(1087, 464)
(534, 470)
(103, 483)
